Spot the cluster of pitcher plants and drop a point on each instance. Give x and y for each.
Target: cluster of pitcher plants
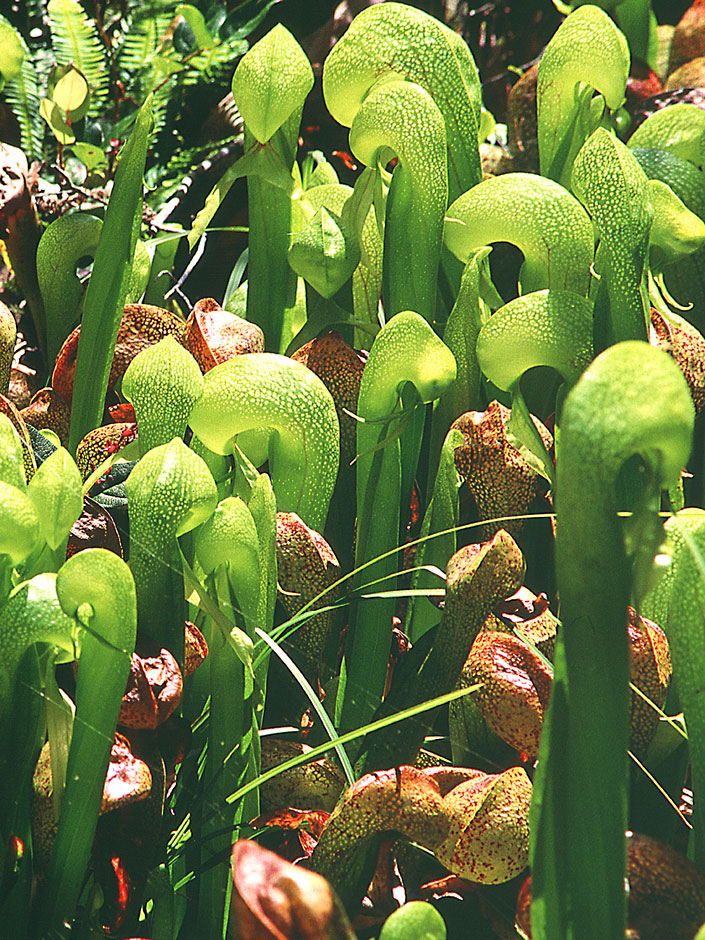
(331, 476)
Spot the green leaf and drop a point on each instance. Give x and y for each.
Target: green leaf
(542, 218)
(632, 400)
(679, 129)
(57, 122)
(94, 587)
(415, 920)
(677, 605)
(56, 490)
(197, 22)
(75, 40)
(440, 521)
(401, 118)
(546, 328)
(587, 51)
(91, 157)
(22, 95)
(406, 352)
(163, 382)
(170, 492)
(271, 81)
(675, 230)
(72, 94)
(682, 176)
(390, 42)
(64, 242)
(19, 524)
(239, 641)
(229, 538)
(11, 52)
(11, 464)
(325, 253)
(237, 25)
(271, 391)
(612, 186)
(109, 281)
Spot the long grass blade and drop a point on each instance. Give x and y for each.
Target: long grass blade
(107, 289)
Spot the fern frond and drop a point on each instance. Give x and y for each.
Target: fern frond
(143, 33)
(163, 181)
(212, 64)
(76, 41)
(22, 96)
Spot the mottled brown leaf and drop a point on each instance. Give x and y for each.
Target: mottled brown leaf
(153, 690)
(666, 893)
(47, 409)
(315, 785)
(101, 442)
(685, 344)
(94, 528)
(488, 837)
(275, 900)
(213, 335)
(500, 480)
(339, 367)
(142, 325)
(650, 671)
(516, 687)
(306, 566)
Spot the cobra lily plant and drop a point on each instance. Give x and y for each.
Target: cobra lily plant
(390, 559)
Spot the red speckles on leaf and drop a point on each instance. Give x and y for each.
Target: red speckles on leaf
(516, 686)
(684, 343)
(315, 785)
(213, 335)
(403, 799)
(195, 648)
(306, 566)
(650, 671)
(141, 325)
(48, 409)
(488, 838)
(100, 443)
(339, 366)
(500, 481)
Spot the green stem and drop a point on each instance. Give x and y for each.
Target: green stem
(403, 117)
(96, 587)
(631, 401)
(169, 492)
(406, 350)
(271, 282)
(231, 759)
(107, 289)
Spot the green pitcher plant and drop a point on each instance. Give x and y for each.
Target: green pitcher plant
(426, 337)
